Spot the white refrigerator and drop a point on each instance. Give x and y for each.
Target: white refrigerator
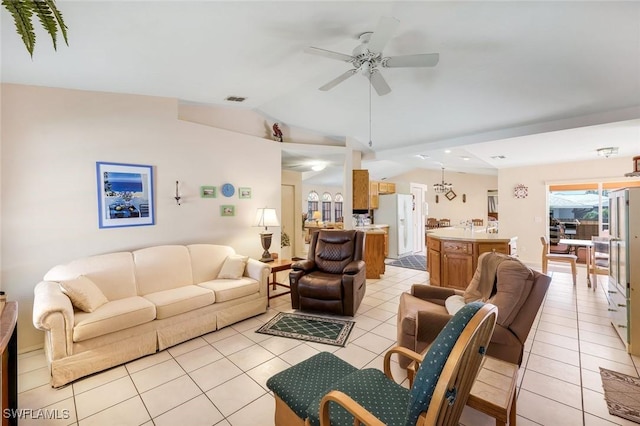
(396, 210)
(623, 292)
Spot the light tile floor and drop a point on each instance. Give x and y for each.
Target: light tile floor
(219, 378)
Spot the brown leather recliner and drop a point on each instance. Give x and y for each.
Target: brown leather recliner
(333, 278)
(422, 314)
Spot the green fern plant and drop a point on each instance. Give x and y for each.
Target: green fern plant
(48, 14)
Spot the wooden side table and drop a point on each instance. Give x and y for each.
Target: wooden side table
(493, 392)
(276, 266)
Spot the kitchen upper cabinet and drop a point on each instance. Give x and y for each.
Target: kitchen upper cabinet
(373, 195)
(361, 189)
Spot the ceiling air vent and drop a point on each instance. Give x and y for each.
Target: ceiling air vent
(235, 98)
(498, 157)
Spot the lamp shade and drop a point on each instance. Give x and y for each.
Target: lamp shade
(316, 215)
(266, 217)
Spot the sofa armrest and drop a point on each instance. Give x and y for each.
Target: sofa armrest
(259, 271)
(53, 313)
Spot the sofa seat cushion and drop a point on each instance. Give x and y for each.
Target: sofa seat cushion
(226, 289)
(180, 300)
(113, 316)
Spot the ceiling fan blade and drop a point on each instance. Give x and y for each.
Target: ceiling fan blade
(342, 77)
(379, 83)
(329, 54)
(421, 60)
(386, 27)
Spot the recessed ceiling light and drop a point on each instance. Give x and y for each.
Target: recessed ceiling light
(422, 156)
(498, 157)
(608, 151)
(318, 167)
(447, 151)
(465, 158)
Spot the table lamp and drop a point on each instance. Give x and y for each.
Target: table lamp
(266, 217)
(316, 216)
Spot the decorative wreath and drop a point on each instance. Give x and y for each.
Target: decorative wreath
(521, 191)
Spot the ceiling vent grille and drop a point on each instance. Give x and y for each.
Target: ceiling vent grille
(235, 98)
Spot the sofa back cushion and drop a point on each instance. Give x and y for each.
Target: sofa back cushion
(112, 273)
(162, 268)
(207, 260)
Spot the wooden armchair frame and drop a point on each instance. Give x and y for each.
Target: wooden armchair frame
(459, 372)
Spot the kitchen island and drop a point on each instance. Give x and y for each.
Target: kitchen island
(452, 254)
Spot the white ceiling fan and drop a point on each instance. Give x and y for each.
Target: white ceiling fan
(367, 57)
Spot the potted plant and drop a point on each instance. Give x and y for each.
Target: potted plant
(46, 11)
(285, 245)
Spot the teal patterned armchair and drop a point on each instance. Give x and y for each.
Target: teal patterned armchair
(328, 391)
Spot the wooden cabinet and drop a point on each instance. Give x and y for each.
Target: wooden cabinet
(386, 188)
(361, 189)
(433, 261)
(374, 254)
(373, 195)
(451, 262)
(386, 240)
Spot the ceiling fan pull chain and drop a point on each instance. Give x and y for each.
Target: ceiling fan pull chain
(370, 142)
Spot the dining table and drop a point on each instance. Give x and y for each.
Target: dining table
(588, 244)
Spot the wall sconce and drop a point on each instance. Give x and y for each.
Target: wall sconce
(177, 197)
(266, 217)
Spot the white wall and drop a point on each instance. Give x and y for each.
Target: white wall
(51, 140)
(528, 217)
(475, 188)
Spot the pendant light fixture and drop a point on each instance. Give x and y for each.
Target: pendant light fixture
(442, 187)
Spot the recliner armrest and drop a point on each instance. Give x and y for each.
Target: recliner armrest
(353, 267)
(429, 324)
(432, 293)
(306, 265)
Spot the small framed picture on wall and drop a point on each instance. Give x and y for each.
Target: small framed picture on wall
(208, 191)
(244, 192)
(227, 210)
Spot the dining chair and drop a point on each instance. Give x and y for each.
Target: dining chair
(547, 257)
(599, 258)
(443, 223)
(477, 222)
(432, 223)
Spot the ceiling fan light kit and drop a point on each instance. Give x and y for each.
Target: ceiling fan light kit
(367, 57)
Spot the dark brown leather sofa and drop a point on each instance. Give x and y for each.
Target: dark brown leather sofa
(333, 277)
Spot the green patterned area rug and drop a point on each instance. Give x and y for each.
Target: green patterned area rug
(331, 331)
(622, 393)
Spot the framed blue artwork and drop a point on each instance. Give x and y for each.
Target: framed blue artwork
(125, 195)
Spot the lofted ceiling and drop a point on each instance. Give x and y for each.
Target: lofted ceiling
(533, 82)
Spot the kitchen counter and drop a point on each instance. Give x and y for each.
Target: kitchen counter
(452, 254)
(467, 235)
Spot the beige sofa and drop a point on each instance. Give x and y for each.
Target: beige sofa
(149, 300)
